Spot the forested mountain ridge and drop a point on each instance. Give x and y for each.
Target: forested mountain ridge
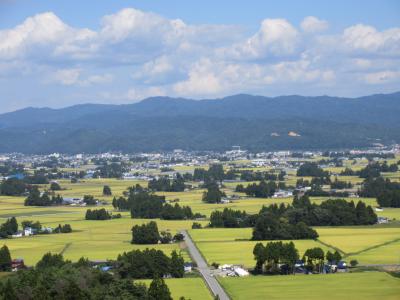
(162, 123)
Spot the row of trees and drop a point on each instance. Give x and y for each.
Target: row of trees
(98, 214)
(147, 205)
(262, 190)
(386, 192)
(149, 234)
(311, 169)
(164, 184)
(230, 218)
(149, 263)
(270, 227)
(13, 187)
(35, 198)
(55, 278)
(249, 175)
(332, 212)
(372, 170)
(280, 258)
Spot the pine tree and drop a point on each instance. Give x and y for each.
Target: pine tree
(158, 290)
(177, 265)
(5, 259)
(9, 292)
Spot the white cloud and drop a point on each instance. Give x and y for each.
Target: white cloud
(275, 38)
(67, 76)
(201, 81)
(44, 31)
(144, 54)
(368, 39)
(313, 25)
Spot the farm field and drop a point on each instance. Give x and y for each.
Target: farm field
(93, 239)
(355, 239)
(190, 288)
(232, 246)
(362, 286)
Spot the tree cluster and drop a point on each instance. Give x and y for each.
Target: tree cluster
(66, 228)
(338, 184)
(97, 214)
(248, 175)
(262, 190)
(269, 227)
(145, 233)
(164, 184)
(213, 194)
(214, 173)
(149, 263)
(147, 205)
(89, 200)
(13, 187)
(9, 227)
(55, 278)
(332, 212)
(386, 192)
(230, 218)
(36, 199)
(275, 258)
(311, 169)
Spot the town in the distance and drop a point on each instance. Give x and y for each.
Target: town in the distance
(204, 224)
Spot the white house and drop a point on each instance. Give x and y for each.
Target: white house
(28, 231)
(240, 272)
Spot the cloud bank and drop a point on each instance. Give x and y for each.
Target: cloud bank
(136, 54)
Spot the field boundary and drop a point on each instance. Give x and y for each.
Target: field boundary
(65, 248)
(331, 246)
(373, 247)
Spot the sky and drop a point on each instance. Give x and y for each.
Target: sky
(62, 53)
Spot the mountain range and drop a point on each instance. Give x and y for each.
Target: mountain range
(256, 123)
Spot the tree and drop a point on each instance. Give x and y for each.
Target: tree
(9, 227)
(158, 290)
(5, 259)
(54, 186)
(34, 225)
(9, 291)
(97, 214)
(213, 194)
(145, 233)
(107, 190)
(12, 187)
(196, 225)
(315, 258)
(353, 262)
(89, 200)
(177, 265)
(165, 237)
(51, 260)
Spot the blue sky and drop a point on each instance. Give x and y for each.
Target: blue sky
(60, 53)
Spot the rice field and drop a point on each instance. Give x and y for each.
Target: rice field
(354, 286)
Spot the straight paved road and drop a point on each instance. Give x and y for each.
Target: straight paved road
(205, 271)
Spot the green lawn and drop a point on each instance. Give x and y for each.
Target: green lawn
(353, 286)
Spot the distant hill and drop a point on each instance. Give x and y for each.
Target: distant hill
(162, 123)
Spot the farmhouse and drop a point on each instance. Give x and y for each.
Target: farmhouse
(187, 267)
(17, 264)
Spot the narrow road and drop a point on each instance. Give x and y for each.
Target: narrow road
(205, 271)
